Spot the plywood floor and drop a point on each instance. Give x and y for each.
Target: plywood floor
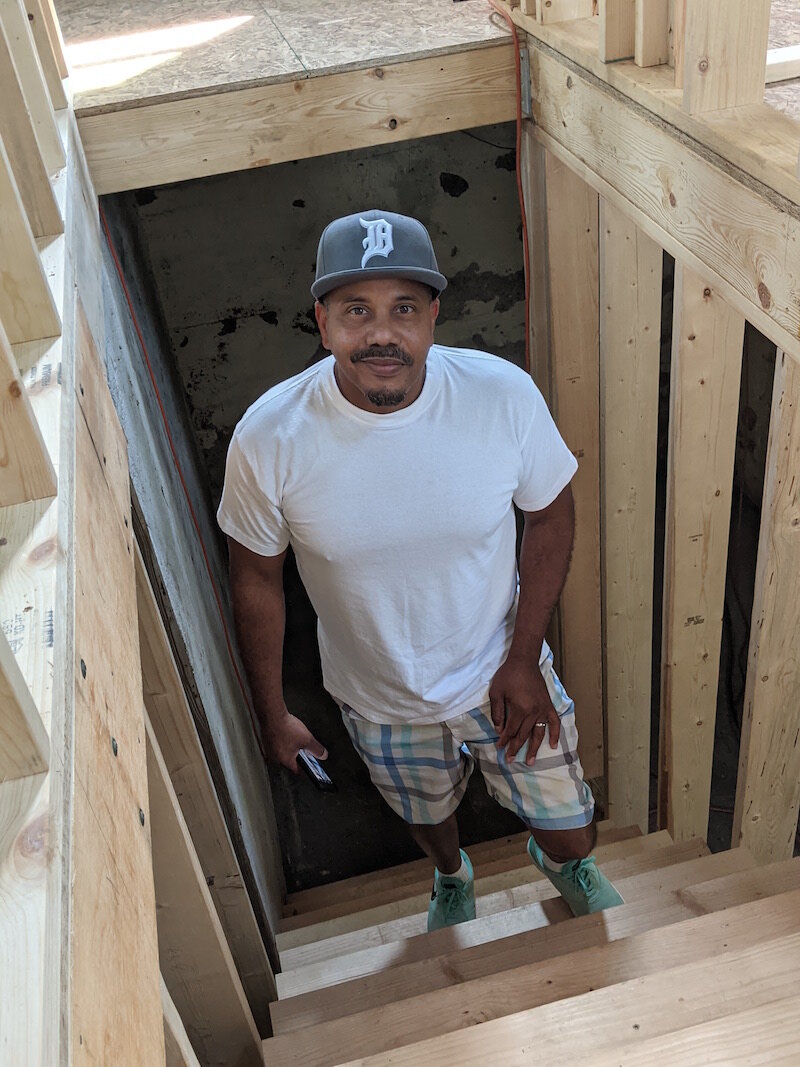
(128, 52)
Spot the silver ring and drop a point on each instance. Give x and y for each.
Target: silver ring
(542, 724)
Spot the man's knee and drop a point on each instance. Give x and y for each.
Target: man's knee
(567, 845)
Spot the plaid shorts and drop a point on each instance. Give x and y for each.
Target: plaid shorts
(422, 769)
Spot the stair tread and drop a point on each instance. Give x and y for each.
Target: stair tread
(470, 941)
(522, 873)
(349, 891)
(742, 931)
(655, 909)
(350, 956)
(653, 1014)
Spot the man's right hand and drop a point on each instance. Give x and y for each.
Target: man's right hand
(285, 737)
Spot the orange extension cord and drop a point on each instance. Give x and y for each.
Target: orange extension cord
(525, 249)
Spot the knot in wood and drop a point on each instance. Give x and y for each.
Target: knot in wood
(378, 72)
(569, 81)
(703, 65)
(15, 390)
(392, 124)
(765, 296)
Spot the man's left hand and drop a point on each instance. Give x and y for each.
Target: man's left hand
(520, 700)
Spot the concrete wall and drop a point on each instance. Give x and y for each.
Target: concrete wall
(230, 260)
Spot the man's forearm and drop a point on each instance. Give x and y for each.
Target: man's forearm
(543, 565)
(260, 619)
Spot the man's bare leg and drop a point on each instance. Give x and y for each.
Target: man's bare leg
(565, 845)
(440, 843)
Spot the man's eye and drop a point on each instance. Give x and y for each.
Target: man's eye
(406, 309)
(356, 311)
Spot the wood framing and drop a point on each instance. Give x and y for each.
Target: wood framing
(651, 43)
(725, 53)
(26, 470)
(572, 237)
(27, 308)
(196, 963)
(246, 128)
(768, 793)
(558, 10)
(746, 241)
(617, 29)
(49, 47)
(16, 27)
(115, 1003)
(630, 340)
(179, 744)
(783, 64)
(178, 1047)
(707, 341)
(18, 136)
(24, 744)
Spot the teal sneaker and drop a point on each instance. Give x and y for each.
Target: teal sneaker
(584, 888)
(452, 899)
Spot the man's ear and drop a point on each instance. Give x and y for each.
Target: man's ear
(321, 315)
(434, 310)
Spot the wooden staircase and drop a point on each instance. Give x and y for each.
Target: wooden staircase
(700, 964)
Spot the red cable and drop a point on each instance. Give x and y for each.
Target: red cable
(525, 248)
(179, 470)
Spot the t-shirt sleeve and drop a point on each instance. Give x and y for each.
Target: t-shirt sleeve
(246, 512)
(547, 465)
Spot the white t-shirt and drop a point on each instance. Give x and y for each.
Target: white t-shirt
(402, 523)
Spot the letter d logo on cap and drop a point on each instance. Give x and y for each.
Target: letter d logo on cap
(378, 241)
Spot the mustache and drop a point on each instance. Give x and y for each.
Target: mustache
(393, 352)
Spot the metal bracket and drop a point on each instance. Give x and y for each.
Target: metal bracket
(525, 80)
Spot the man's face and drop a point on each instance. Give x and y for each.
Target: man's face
(379, 332)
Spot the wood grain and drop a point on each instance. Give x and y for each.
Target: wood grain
(697, 210)
(630, 342)
(26, 470)
(248, 128)
(549, 982)
(176, 734)
(196, 963)
(725, 53)
(768, 787)
(573, 271)
(707, 339)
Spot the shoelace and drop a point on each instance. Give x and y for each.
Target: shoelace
(453, 896)
(585, 876)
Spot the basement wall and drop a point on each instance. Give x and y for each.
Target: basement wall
(173, 554)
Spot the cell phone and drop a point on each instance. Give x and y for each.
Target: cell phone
(315, 771)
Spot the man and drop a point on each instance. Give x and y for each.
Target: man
(392, 468)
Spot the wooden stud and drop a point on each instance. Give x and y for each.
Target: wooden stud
(725, 53)
(196, 963)
(178, 1047)
(19, 138)
(700, 211)
(494, 996)
(114, 1003)
(176, 733)
(630, 340)
(678, 39)
(617, 29)
(707, 344)
(768, 788)
(27, 308)
(50, 55)
(26, 470)
(559, 10)
(247, 128)
(16, 27)
(572, 222)
(651, 46)
(24, 744)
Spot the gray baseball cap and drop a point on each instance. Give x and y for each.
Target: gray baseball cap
(375, 244)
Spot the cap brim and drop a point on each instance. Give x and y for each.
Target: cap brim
(416, 274)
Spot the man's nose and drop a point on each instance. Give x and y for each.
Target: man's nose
(381, 331)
